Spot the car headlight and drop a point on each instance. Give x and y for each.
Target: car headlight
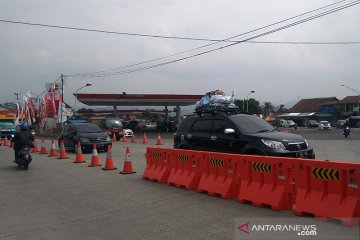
(108, 138)
(273, 144)
(84, 140)
(306, 142)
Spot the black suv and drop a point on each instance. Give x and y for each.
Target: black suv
(113, 126)
(238, 133)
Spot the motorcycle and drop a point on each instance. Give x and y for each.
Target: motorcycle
(24, 157)
(346, 132)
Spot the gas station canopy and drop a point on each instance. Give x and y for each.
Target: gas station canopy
(124, 99)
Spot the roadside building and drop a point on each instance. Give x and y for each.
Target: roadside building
(347, 106)
(318, 109)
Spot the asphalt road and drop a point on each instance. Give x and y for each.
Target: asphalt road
(56, 199)
(332, 145)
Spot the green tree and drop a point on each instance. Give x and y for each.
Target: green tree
(281, 108)
(268, 108)
(254, 105)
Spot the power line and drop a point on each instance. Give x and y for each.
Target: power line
(161, 36)
(109, 73)
(210, 44)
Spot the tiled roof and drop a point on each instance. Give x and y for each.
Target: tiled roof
(311, 105)
(331, 103)
(350, 99)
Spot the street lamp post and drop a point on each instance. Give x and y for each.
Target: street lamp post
(354, 90)
(247, 100)
(17, 95)
(76, 93)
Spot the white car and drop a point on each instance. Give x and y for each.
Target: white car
(291, 123)
(128, 132)
(324, 125)
(150, 126)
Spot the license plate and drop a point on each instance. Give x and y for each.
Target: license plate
(301, 154)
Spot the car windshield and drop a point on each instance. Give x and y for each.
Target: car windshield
(250, 124)
(113, 122)
(88, 128)
(324, 122)
(6, 125)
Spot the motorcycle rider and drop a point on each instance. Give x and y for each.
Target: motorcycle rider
(345, 126)
(22, 138)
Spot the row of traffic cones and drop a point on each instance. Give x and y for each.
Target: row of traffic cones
(133, 139)
(109, 164)
(10, 144)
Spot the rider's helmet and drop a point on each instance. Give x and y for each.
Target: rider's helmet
(24, 126)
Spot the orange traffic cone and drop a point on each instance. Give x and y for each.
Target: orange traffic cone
(159, 140)
(127, 164)
(62, 151)
(123, 139)
(94, 158)
(145, 139)
(109, 164)
(53, 149)
(6, 142)
(43, 148)
(133, 140)
(35, 148)
(79, 155)
(114, 138)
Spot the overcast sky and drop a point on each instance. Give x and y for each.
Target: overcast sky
(31, 56)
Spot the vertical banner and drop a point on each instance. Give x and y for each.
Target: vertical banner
(18, 112)
(31, 107)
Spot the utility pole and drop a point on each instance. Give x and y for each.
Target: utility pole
(62, 98)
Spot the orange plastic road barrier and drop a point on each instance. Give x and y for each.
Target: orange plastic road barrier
(109, 164)
(328, 190)
(114, 138)
(157, 164)
(6, 142)
(94, 158)
(159, 140)
(53, 149)
(123, 139)
(218, 174)
(43, 148)
(267, 181)
(145, 139)
(184, 169)
(62, 151)
(128, 169)
(79, 155)
(35, 148)
(133, 139)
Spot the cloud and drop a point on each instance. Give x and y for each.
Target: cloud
(31, 56)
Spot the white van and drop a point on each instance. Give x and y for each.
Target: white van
(284, 123)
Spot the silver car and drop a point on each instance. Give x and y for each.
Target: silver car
(324, 125)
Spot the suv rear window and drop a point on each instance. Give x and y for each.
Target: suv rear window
(220, 125)
(113, 123)
(185, 125)
(202, 126)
